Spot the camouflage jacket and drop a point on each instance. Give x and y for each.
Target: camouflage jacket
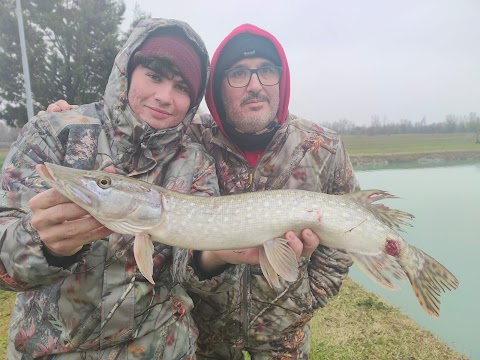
(95, 305)
(302, 155)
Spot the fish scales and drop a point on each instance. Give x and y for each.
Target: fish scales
(355, 223)
(229, 219)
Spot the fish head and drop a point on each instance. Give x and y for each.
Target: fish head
(110, 198)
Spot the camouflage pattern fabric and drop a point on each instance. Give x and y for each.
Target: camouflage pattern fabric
(252, 316)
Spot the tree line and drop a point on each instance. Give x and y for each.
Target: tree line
(71, 46)
(451, 124)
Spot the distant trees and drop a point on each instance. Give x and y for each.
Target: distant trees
(138, 15)
(71, 45)
(452, 124)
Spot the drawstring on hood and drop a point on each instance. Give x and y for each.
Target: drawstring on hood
(247, 41)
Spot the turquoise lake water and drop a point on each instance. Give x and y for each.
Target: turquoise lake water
(445, 201)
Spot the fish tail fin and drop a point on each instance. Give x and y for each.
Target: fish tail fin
(143, 252)
(428, 278)
(277, 257)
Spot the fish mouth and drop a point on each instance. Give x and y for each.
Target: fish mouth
(69, 186)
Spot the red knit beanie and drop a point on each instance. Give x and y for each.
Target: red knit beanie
(180, 52)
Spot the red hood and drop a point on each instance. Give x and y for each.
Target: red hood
(284, 80)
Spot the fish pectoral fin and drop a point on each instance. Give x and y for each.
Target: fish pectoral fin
(143, 252)
(281, 258)
(267, 270)
(379, 267)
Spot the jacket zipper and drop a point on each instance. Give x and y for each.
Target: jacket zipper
(245, 305)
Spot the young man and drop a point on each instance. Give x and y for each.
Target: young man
(80, 295)
(258, 145)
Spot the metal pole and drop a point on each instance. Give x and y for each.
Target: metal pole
(26, 73)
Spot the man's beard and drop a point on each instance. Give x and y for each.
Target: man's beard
(253, 122)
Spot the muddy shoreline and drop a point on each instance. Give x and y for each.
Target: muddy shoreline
(421, 159)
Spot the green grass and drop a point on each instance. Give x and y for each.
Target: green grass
(410, 143)
(7, 299)
(357, 324)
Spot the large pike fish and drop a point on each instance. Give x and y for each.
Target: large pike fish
(351, 222)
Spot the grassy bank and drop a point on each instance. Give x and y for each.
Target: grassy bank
(7, 300)
(410, 144)
(358, 324)
(411, 150)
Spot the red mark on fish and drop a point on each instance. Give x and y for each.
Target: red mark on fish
(392, 247)
(318, 213)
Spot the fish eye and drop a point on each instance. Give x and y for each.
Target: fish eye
(104, 182)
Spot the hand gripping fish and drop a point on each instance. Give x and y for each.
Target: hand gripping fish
(351, 222)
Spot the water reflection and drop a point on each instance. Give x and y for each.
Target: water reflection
(446, 204)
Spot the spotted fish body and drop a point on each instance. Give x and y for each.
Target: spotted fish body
(351, 222)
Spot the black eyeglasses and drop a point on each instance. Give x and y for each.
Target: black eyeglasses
(267, 75)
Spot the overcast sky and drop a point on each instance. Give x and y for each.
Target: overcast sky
(354, 59)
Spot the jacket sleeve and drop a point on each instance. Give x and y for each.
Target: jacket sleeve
(191, 278)
(205, 183)
(328, 267)
(23, 265)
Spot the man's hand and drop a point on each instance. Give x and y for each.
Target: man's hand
(310, 242)
(58, 106)
(211, 262)
(63, 226)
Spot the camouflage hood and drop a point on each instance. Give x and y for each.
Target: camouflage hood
(119, 115)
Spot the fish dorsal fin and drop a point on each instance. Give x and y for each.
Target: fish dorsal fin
(391, 217)
(280, 258)
(143, 252)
